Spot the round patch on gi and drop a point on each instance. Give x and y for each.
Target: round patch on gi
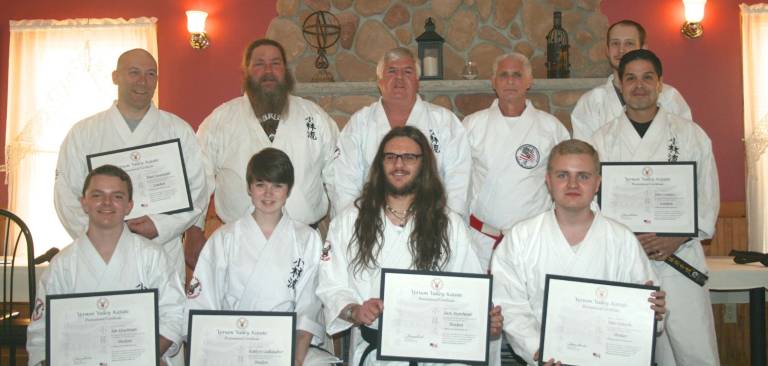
(37, 313)
(527, 156)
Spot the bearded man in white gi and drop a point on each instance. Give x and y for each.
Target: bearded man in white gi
(510, 142)
(266, 115)
(264, 261)
(648, 132)
(572, 240)
(400, 221)
(604, 103)
(398, 80)
(133, 120)
(109, 257)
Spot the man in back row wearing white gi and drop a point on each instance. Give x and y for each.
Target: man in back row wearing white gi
(400, 105)
(266, 115)
(647, 131)
(510, 141)
(605, 102)
(131, 121)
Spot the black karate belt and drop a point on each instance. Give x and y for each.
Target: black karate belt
(371, 336)
(687, 270)
(744, 257)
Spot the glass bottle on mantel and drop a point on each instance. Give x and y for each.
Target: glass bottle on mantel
(558, 65)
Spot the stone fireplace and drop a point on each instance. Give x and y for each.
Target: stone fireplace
(477, 30)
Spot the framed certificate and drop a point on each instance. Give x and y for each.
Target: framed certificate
(102, 328)
(241, 338)
(594, 322)
(651, 197)
(158, 174)
(434, 316)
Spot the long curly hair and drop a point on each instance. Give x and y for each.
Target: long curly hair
(428, 243)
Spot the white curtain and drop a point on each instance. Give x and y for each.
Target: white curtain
(754, 45)
(59, 73)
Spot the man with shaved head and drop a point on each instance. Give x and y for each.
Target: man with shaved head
(132, 120)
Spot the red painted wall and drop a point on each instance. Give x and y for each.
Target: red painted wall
(192, 82)
(707, 71)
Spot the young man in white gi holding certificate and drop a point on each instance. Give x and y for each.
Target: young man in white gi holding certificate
(400, 221)
(132, 121)
(510, 143)
(266, 260)
(572, 240)
(398, 74)
(109, 257)
(649, 132)
(604, 103)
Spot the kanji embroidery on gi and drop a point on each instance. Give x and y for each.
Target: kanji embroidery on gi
(298, 268)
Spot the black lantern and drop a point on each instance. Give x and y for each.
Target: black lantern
(558, 65)
(430, 52)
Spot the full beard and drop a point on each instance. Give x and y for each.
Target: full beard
(267, 102)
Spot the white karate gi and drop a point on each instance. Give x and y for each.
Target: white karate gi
(672, 138)
(106, 131)
(601, 104)
(230, 136)
(536, 247)
(239, 269)
(136, 263)
(338, 287)
(509, 161)
(360, 139)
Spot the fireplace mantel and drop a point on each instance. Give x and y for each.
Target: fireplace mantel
(435, 87)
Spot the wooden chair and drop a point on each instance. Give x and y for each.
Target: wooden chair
(14, 318)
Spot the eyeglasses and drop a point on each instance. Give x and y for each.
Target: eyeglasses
(407, 158)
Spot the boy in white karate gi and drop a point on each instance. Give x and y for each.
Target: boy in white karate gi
(572, 240)
(109, 257)
(264, 261)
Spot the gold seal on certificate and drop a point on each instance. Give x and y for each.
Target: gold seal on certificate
(651, 197)
(102, 328)
(434, 316)
(595, 322)
(158, 174)
(241, 338)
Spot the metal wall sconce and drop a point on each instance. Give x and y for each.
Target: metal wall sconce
(196, 27)
(694, 13)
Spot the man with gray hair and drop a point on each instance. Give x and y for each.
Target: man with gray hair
(398, 79)
(510, 142)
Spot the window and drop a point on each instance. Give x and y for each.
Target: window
(754, 45)
(59, 73)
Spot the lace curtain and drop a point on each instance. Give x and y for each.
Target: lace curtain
(754, 44)
(59, 73)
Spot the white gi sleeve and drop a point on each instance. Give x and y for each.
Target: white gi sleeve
(708, 184)
(330, 140)
(68, 186)
(465, 260)
(457, 165)
(207, 139)
(47, 285)
(308, 305)
(584, 119)
(209, 281)
(348, 165)
(509, 292)
(170, 301)
(335, 288)
(172, 226)
(674, 103)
